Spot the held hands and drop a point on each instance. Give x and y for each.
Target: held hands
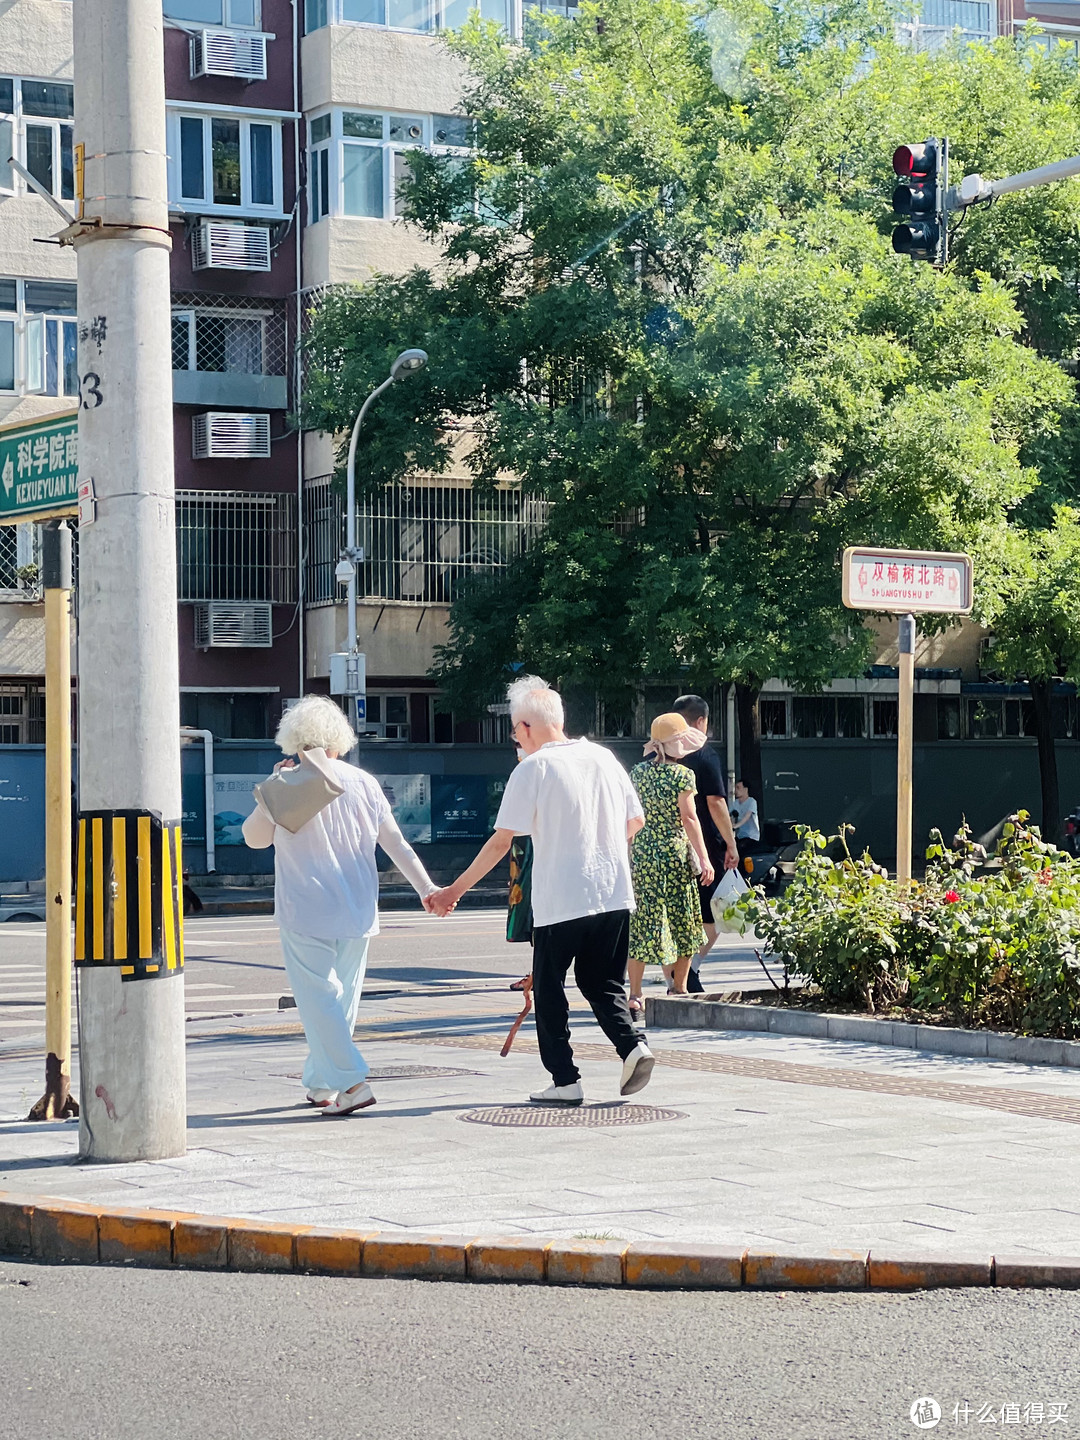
(440, 902)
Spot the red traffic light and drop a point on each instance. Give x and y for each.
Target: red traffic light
(915, 162)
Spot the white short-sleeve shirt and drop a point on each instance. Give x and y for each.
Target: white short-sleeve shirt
(574, 799)
(326, 881)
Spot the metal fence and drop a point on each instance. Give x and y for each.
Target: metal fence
(421, 542)
(236, 545)
(231, 334)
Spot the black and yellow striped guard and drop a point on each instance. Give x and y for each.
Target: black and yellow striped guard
(129, 908)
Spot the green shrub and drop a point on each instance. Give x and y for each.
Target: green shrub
(993, 943)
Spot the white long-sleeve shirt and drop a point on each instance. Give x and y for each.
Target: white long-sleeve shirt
(326, 880)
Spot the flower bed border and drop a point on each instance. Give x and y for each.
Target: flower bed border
(724, 1012)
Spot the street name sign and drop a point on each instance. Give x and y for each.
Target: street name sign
(907, 582)
(39, 465)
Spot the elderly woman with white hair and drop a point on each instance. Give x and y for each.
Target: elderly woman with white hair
(326, 890)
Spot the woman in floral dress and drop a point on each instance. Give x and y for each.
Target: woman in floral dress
(665, 929)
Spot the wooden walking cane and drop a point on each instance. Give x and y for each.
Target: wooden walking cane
(526, 990)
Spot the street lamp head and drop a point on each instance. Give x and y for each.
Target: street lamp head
(407, 363)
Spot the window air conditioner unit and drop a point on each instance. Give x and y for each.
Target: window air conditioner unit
(224, 245)
(232, 625)
(234, 54)
(228, 435)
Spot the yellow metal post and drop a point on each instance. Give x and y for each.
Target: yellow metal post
(904, 732)
(57, 1101)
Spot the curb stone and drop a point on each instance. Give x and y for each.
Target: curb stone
(705, 1012)
(57, 1230)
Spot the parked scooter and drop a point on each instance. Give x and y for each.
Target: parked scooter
(770, 861)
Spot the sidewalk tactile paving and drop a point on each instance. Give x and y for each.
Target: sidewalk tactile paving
(552, 1116)
(1037, 1105)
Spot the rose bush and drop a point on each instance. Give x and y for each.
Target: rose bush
(991, 941)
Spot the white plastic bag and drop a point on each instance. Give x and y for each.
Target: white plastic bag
(729, 889)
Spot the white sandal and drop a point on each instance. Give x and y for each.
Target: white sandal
(321, 1097)
(359, 1098)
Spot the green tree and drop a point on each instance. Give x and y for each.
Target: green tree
(674, 313)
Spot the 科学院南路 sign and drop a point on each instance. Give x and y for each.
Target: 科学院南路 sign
(39, 465)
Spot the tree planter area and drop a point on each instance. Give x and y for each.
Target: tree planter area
(984, 943)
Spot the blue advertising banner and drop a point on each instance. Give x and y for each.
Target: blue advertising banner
(459, 807)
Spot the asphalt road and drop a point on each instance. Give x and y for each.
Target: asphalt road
(119, 1354)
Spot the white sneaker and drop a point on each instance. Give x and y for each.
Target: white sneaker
(637, 1070)
(358, 1098)
(559, 1095)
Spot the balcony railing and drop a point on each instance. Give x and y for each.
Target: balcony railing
(421, 542)
(236, 545)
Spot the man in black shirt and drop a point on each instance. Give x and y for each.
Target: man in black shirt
(712, 809)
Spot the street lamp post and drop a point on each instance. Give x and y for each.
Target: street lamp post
(406, 364)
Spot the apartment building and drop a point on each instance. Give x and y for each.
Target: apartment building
(376, 82)
(232, 93)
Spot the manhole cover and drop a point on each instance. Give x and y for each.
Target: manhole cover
(401, 1072)
(614, 1113)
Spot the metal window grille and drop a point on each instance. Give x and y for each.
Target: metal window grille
(236, 545)
(9, 558)
(22, 714)
(237, 335)
(421, 542)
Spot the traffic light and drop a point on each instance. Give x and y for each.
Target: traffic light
(920, 199)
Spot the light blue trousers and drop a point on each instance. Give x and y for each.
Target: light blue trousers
(327, 977)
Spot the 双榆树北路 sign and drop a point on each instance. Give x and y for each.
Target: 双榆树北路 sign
(907, 581)
(39, 466)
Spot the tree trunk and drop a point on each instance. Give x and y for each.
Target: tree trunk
(1042, 692)
(746, 707)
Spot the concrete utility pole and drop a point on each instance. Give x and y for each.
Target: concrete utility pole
(128, 941)
(57, 1102)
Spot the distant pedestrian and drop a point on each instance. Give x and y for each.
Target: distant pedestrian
(326, 891)
(744, 815)
(576, 802)
(666, 929)
(714, 818)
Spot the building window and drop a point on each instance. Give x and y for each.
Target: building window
(886, 714)
(38, 338)
(224, 164)
(387, 716)
(231, 14)
(421, 542)
(236, 545)
(773, 718)
(239, 715)
(22, 714)
(421, 16)
(357, 159)
(36, 128)
(223, 341)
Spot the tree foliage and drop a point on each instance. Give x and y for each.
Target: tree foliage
(664, 297)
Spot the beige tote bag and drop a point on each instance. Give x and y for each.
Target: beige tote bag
(295, 796)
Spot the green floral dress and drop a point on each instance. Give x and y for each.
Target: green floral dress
(667, 921)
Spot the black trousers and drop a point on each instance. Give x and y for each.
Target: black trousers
(598, 946)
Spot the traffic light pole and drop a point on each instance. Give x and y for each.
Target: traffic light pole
(128, 942)
(974, 190)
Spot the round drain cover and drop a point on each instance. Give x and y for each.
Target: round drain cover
(613, 1113)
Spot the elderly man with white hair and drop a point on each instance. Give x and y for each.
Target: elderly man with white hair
(577, 803)
(326, 890)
